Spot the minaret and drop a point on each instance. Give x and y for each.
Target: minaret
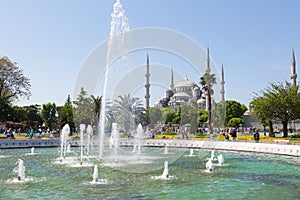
(208, 72)
(172, 79)
(208, 62)
(147, 85)
(222, 85)
(293, 70)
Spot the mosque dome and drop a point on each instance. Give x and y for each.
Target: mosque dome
(201, 101)
(185, 83)
(181, 94)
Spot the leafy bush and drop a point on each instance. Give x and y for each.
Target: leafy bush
(295, 136)
(169, 133)
(200, 135)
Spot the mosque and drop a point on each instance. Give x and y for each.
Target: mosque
(185, 92)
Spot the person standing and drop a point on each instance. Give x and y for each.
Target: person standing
(226, 137)
(31, 133)
(233, 134)
(256, 136)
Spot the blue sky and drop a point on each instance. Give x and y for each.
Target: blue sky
(50, 39)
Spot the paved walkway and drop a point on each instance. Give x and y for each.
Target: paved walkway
(281, 149)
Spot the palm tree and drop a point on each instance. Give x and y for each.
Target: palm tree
(207, 81)
(126, 110)
(97, 104)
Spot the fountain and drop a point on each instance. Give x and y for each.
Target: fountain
(276, 177)
(119, 24)
(264, 176)
(96, 179)
(82, 128)
(89, 132)
(63, 141)
(21, 170)
(114, 140)
(220, 160)
(191, 153)
(139, 139)
(209, 166)
(212, 155)
(69, 148)
(32, 150)
(70, 162)
(165, 175)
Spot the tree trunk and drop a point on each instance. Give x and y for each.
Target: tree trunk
(285, 129)
(209, 111)
(271, 129)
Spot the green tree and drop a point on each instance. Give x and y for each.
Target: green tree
(65, 114)
(234, 109)
(169, 115)
(219, 114)
(202, 117)
(264, 122)
(48, 114)
(127, 110)
(189, 115)
(83, 109)
(17, 114)
(223, 112)
(27, 115)
(235, 122)
(34, 118)
(142, 116)
(155, 115)
(97, 105)
(277, 101)
(13, 84)
(207, 81)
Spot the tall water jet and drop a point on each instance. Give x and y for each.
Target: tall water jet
(95, 174)
(115, 136)
(119, 24)
(82, 128)
(165, 173)
(21, 170)
(139, 139)
(89, 132)
(63, 140)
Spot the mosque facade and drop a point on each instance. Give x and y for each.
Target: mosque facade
(185, 92)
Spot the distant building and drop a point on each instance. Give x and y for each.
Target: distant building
(185, 92)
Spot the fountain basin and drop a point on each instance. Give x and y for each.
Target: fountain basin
(247, 176)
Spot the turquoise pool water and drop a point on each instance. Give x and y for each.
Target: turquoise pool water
(244, 176)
